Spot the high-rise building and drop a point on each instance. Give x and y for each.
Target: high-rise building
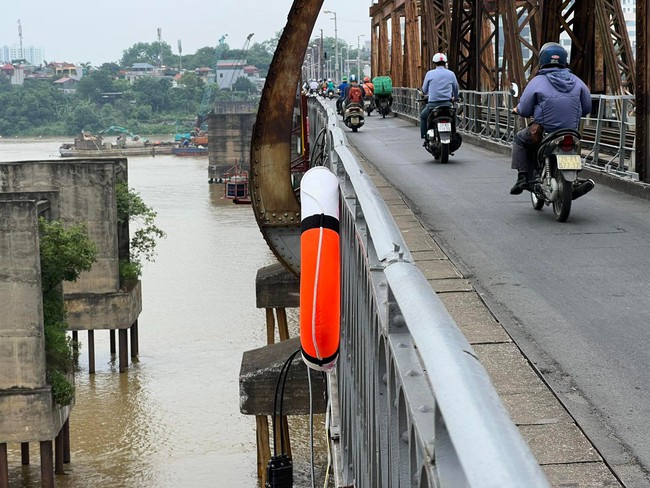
(33, 55)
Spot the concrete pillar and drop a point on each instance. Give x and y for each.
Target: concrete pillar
(58, 453)
(91, 351)
(47, 465)
(135, 350)
(112, 337)
(124, 351)
(4, 466)
(24, 453)
(66, 441)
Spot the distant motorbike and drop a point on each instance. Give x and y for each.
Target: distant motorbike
(369, 104)
(330, 94)
(383, 105)
(555, 179)
(441, 138)
(353, 116)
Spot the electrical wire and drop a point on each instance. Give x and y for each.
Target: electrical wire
(286, 365)
(327, 437)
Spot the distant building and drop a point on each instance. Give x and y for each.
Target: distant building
(33, 55)
(142, 70)
(65, 69)
(15, 73)
(66, 85)
(228, 71)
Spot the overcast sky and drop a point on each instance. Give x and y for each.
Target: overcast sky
(98, 31)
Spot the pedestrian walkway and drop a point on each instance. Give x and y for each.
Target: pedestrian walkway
(566, 455)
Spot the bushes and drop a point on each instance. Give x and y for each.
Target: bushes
(131, 208)
(65, 253)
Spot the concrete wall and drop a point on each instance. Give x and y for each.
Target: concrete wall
(27, 412)
(87, 195)
(22, 350)
(230, 139)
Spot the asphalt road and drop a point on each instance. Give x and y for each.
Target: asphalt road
(574, 295)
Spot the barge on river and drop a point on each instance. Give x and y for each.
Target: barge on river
(87, 144)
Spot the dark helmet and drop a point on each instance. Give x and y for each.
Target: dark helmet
(353, 78)
(552, 55)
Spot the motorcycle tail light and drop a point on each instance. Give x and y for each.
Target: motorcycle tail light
(445, 121)
(567, 144)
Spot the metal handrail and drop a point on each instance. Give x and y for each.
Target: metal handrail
(608, 132)
(404, 366)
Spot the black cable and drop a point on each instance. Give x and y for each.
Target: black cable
(285, 366)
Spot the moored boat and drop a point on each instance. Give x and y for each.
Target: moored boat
(88, 144)
(190, 150)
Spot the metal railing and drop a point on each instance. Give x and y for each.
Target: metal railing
(404, 367)
(608, 136)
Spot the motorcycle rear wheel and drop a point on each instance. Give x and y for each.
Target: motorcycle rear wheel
(444, 153)
(562, 205)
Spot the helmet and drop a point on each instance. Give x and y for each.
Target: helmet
(345, 78)
(366, 79)
(329, 79)
(552, 55)
(353, 78)
(439, 58)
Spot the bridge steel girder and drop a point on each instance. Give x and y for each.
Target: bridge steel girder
(412, 50)
(436, 31)
(274, 204)
(642, 92)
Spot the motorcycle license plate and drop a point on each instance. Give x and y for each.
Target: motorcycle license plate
(444, 127)
(569, 161)
(354, 120)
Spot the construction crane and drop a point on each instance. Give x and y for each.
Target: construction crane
(244, 50)
(207, 93)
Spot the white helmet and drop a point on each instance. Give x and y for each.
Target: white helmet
(439, 58)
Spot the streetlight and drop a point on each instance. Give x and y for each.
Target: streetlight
(359, 55)
(336, 46)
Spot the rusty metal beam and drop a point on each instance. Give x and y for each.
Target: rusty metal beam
(642, 89)
(396, 48)
(274, 204)
(412, 52)
(436, 30)
(617, 49)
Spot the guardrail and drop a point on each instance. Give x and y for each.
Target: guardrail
(608, 136)
(404, 367)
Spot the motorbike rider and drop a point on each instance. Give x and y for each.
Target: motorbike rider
(352, 95)
(556, 99)
(330, 86)
(339, 101)
(313, 86)
(441, 87)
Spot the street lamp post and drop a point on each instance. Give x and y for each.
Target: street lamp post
(336, 46)
(359, 55)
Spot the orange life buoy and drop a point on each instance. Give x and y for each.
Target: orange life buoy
(320, 269)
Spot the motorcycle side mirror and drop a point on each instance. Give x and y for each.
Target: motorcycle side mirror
(514, 89)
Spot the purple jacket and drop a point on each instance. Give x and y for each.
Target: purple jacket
(555, 98)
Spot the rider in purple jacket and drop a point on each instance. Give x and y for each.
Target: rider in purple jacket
(556, 99)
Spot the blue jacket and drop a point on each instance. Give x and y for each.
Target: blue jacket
(342, 88)
(555, 98)
(440, 85)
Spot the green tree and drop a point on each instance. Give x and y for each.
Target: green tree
(243, 84)
(131, 208)
(145, 52)
(92, 86)
(152, 91)
(65, 254)
(84, 116)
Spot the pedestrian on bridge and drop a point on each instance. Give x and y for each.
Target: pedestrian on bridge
(556, 99)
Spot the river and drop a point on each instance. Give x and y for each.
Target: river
(172, 420)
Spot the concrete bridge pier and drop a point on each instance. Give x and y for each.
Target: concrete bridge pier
(4, 466)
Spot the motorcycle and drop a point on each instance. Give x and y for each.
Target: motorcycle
(368, 104)
(555, 178)
(383, 106)
(441, 138)
(353, 116)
